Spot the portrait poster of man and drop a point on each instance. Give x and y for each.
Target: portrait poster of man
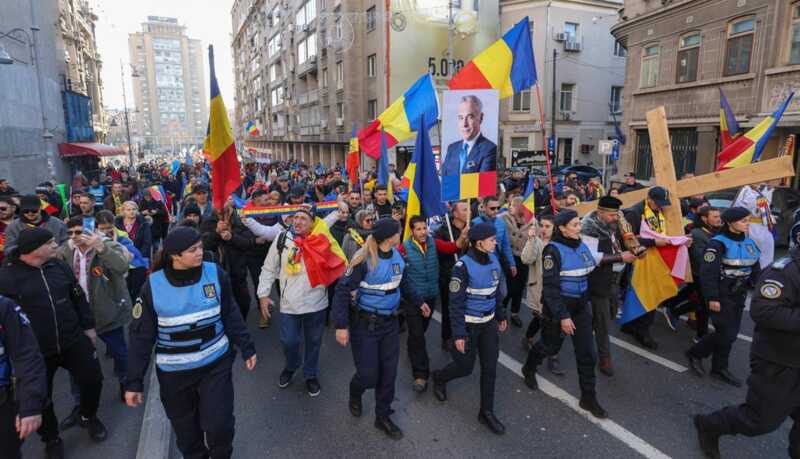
(469, 131)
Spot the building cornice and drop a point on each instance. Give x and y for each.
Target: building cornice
(607, 4)
(623, 26)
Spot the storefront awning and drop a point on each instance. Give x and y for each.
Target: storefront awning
(69, 150)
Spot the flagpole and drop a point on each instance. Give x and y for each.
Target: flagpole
(546, 150)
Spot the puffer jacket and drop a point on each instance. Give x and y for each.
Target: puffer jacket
(532, 255)
(423, 268)
(517, 234)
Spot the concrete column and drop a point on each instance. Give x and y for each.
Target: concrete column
(706, 149)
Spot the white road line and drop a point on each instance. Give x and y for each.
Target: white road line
(551, 390)
(648, 355)
(711, 328)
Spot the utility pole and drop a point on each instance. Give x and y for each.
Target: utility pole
(553, 109)
(125, 105)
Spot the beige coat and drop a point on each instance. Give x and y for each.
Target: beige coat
(517, 234)
(532, 255)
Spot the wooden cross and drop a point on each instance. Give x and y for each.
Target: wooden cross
(664, 171)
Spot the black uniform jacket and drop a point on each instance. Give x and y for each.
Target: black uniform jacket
(28, 364)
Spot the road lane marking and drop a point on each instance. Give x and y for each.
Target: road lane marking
(711, 328)
(546, 387)
(648, 355)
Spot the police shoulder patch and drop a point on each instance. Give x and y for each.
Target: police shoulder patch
(770, 291)
(455, 285)
(137, 309)
(710, 256)
(548, 263)
(782, 263)
(210, 290)
(459, 263)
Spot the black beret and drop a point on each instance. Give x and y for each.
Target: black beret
(564, 216)
(384, 229)
(734, 214)
(609, 203)
(482, 231)
(31, 239)
(180, 239)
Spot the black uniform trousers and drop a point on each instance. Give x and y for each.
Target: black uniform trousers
(80, 360)
(482, 341)
(444, 297)
(376, 353)
(417, 348)
(516, 286)
(9, 437)
(552, 338)
(773, 394)
(726, 327)
(199, 405)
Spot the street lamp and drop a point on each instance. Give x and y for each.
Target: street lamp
(134, 74)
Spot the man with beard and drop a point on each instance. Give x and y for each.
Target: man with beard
(31, 215)
(382, 205)
(457, 232)
(600, 232)
(7, 209)
(86, 205)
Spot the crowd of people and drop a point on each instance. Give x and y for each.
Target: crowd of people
(143, 262)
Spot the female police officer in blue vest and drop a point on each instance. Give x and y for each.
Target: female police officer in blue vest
(475, 319)
(373, 282)
(566, 264)
(730, 267)
(186, 309)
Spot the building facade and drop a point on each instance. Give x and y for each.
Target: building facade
(168, 85)
(682, 53)
(590, 75)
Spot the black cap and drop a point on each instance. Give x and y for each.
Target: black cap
(284, 177)
(609, 203)
(180, 239)
(734, 214)
(660, 195)
(384, 229)
(696, 202)
(192, 208)
(30, 202)
(200, 188)
(297, 191)
(482, 231)
(31, 239)
(564, 216)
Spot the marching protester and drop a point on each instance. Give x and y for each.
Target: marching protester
(517, 229)
(155, 212)
(86, 207)
(382, 206)
(7, 210)
(137, 229)
(489, 209)
(187, 312)
(117, 197)
(730, 267)
(566, 264)
(365, 309)
(354, 240)
(457, 231)
(476, 319)
(31, 215)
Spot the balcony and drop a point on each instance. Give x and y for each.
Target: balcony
(309, 130)
(309, 97)
(309, 66)
(278, 131)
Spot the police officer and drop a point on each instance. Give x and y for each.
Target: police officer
(20, 413)
(774, 383)
(566, 264)
(475, 319)
(730, 266)
(186, 309)
(375, 279)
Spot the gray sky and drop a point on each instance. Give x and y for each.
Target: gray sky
(206, 20)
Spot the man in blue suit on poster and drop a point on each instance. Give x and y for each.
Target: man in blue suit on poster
(474, 152)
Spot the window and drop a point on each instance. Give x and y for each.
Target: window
(337, 29)
(372, 109)
(370, 19)
(339, 71)
(273, 71)
(519, 143)
(339, 110)
(794, 54)
(740, 47)
(619, 50)
(567, 97)
(571, 30)
(522, 101)
(615, 104)
(306, 13)
(277, 96)
(324, 81)
(649, 75)
(371, 65)
(274, 45)
(307, 49)
(688, 53)
(274, 17)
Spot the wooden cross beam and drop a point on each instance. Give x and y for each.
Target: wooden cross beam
(664, 171)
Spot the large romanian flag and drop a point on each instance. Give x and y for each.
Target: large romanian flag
(402, 119)
(383, 169)
(424, 194)
(324, 259)
(469, 185)
(220, 146)
(728, 127)
(747, 149)
(528, 202)
(353, 162)
(507, 65)
(656, 276)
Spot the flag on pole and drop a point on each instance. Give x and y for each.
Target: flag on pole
(617, 131)
(219, 145)
(507, 65)
(353, 162)
(528, 203)
(468, 186)
(252, 129)
(401, 119)
(747, 148)
(424, 194)
(383, 169)
(728, 127)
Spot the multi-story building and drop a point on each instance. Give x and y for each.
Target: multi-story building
(590, 74)
(683, 52)
(168, 89)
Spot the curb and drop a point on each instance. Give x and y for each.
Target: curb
(155, 436)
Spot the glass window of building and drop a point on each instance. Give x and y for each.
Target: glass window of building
(615, 103)
(739, 47)
(649, 74)
(794, 54)
(567, 103)
(521, 101)
(371, 65)
(371, 19)
(688, 56)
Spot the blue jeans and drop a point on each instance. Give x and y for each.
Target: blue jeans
(312, 325)
(115, 342)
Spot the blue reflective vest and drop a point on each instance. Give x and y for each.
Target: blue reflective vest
(379, 291)
(5, 363)
(190, 330)
(739, 257)
(576, 264)
(483, 282)
(99, 194)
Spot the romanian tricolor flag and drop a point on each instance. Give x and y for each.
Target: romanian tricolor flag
(353, 162)
(158, 193)
(747, 149)
(324, 259)
(383, 169)
(49, 208)
(402, 118)
(507, 65)
(656, 276)
(528, 203)
(468, 186)
(252, 129)
(728, 127)
(220, 147)
(424, 194)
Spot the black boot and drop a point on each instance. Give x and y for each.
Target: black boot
(590, 404)
(71, 419)
(709, 441)
(355, 405)
(695, 364)
(54, 449)
(388, 427)
(487, 418)
(97, 431)
(530, 377)
(554, 366)
(727, 377)
(439, 389)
